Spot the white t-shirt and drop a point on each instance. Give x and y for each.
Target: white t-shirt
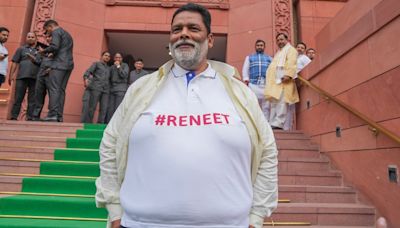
(189, 159)
(4, 62)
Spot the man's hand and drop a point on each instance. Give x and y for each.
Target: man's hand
(117, 63)
(251, 226)
(10, 79)
(116, 223)
(86, 82)
(3, 56)
(286, 79)
(47, 71)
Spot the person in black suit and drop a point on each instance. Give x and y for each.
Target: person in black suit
(61, 67)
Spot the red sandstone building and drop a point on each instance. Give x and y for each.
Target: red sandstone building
(358, 63)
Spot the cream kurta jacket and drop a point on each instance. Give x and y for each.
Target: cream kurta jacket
(273, 90)
(114, 145)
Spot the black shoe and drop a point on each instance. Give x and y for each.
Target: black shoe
(13, 118)
(35, 119)
(276, 128)
(60, 119)
(50, 119)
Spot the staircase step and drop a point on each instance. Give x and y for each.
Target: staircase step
(19, 167)
(88, 143)
(67, 169)
(48, 223)
(303, 164)
(51, 206)
(89, 133)
(94, 126)
(317, 194)
(10, 184)
(71, 154)
(283, 135)
(59, 186)
(291, 145)
(40, 141)
(314, 178)
(298, 153)
(26, 152)
(41, 124)
(326, 214)
(20, 130)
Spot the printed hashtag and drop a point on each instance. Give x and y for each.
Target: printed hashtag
(160, 120)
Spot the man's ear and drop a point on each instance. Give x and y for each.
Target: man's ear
(210, 38)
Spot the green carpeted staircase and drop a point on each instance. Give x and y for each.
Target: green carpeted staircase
(62, 195)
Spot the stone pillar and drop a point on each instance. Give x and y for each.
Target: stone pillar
(283, 18)
(44, 10)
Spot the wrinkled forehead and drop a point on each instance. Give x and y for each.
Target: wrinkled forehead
(188, 18)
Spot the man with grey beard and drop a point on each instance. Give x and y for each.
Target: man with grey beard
(189, 145)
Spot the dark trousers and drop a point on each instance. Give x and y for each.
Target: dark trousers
(114, 101)
(90, 100)
(42, 86)
(21, 85)
(58, 80)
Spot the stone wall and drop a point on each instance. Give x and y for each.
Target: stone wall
(359, 63)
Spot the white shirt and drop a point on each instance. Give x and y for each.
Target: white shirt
(189, 159)
(302, 61)
(4, 62)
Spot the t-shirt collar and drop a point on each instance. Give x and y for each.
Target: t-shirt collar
(178, 71)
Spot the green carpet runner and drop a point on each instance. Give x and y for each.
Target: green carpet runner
(71, 195)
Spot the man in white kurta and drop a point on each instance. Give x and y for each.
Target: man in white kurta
(281, 89)
(302, 61)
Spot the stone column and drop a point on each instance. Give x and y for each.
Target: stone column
(44, 10)
(283, 18)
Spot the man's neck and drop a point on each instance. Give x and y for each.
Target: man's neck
(283, 46)
(202, 67)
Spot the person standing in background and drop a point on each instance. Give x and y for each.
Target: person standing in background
(24, 59)
(254, 72)
(119, 76)
(310, 53)
(138, 71)
(4, 32)
(61, 47)
(97, 87)
(281, 88)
